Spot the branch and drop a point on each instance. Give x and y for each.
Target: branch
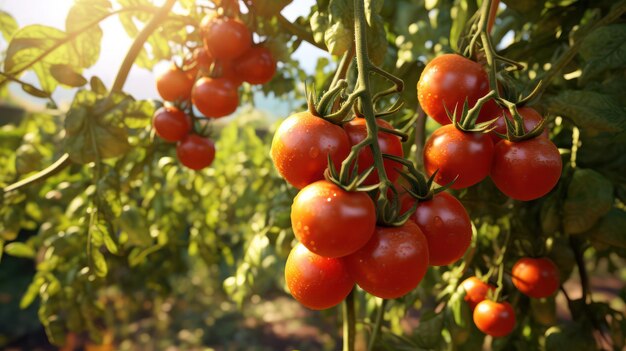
(51, 170)
(299, 32)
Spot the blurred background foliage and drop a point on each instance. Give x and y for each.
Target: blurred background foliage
(135, 248)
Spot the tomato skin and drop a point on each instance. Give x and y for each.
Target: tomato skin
(447, 227)
(454, 152)
(531, 117)
(203, 58)
(256, 66)
(526, 170)
(300, 147)
(215, 97)
(330, 221)
(451, 79)
(174, 84)
(224, 37)
(392, 263)
(388, 143)
(196, 152)
(171, 124)
(316, 282)
(536, 277)
(494, 318)
(476, 291)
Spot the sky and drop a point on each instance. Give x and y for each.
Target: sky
(115, 44)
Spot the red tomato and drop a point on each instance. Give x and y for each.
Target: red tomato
(203, 58)
(224, 37)
(531, 119)
(388, 143)
(392, 263)
(526, 170)
(451, 79)
(215, 97)
(174, 84)
(447, 227)
(316, 282)
(226, 69)
(330, 221)
(171, 124)
(455, 153)
(301, 145)
(494, 318)
(476, 291)
(536, 277)
(196, 152)
(256, 66)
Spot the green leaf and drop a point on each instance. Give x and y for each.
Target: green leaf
(95, 129)
(34, 91)
(19, 249)
(97, 86)
(65, 74)
(461, 13)
(571, 336)
(8, 25)
(603, 49)
(428, 333)
(589, 110)
(99, 263)
(589, 197)
(33, 291)
(80, 20)
(610, 229)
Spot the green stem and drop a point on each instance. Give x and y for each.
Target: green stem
(137, 45)
(349, 322)
(378, 324)
(299, 32)
(500, 265)
(342, 68)
(582, 269)
(63, 162)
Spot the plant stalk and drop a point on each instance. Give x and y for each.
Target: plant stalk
(349, 322)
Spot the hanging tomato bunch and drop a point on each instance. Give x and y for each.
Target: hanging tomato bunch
(209, 82)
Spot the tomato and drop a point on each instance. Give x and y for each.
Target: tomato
(226, 69)
(330, 221)
(301, 145)
(467, 155)
(174, 84)
(203, 58)
(392, 263)
(316, 282)
(224, 37)
(531, 117)
(171, 124)
(388, 143)
(447, 227)
(196, 152)
(451, 79)
(526, 170)
(476, 291)
(256, 66)
(536, 277)
(494, 318)
(215, 97)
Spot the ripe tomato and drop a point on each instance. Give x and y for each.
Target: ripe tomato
(447, 227)
(392, 263)
(316, 282)
(536, 277)
(388, 143)
(174, 84)
(476, 291)
(224, 37)
(215, 97)
(455, 153)
(195, 152)
(451, 79)
(494, 318)
(226, 69)
(301, 145)
(330, 221)
(171, 124)
(256, 66)
(531, 119)
(526, 170)
(203, 58)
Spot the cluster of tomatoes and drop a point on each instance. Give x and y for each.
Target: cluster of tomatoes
(340, 241)
(210, 80)
(534, 277)
(523, 170)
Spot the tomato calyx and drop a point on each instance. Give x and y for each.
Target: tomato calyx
(466, 120)
(515, 129)
(325, 106)
(348, 178)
